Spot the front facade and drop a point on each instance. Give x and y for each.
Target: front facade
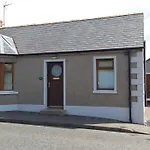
(106, 81)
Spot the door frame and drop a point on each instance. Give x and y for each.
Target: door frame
(45, 80)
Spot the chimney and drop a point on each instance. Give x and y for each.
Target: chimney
(1, 23)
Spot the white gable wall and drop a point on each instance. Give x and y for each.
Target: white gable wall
(138, 107)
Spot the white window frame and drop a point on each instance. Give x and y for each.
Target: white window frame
(95, 79)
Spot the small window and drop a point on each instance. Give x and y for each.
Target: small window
(104, 75)
(6, 76)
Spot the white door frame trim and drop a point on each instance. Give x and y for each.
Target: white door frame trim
(64, 80)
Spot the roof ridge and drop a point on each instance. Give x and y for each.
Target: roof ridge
(77, 20)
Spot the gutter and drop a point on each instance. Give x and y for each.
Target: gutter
(72, 52)
(129, 82)
(82, 51)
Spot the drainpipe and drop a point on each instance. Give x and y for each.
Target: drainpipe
(145, 85)
(129, 82)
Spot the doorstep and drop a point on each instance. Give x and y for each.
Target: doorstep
(53, 111)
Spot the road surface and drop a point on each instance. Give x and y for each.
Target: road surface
(28, 137)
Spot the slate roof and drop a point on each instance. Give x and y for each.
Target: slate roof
(126, 31)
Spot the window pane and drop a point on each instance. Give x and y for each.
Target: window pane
(7, 81)
(8, 67)
(105, 79)
(105, 63)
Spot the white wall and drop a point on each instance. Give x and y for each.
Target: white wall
(138, 108)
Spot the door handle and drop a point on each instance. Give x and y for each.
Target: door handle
(49, 84)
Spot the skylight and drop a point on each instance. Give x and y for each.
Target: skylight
(7, 45)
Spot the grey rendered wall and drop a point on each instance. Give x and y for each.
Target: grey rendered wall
(79, 80)
(27, 83)
(79, 76)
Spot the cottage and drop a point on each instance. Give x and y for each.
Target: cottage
(92, 67)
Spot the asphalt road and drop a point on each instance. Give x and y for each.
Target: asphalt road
(28, 137)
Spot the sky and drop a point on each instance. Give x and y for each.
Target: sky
(23, 12)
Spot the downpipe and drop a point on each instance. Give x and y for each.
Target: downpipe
(129, 89)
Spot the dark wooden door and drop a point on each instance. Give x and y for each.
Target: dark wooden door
(148, 85)
(55, 84)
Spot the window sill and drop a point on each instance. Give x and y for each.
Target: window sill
(8, 92)
(105, 91)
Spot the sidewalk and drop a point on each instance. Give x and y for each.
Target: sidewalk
(73, 122)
